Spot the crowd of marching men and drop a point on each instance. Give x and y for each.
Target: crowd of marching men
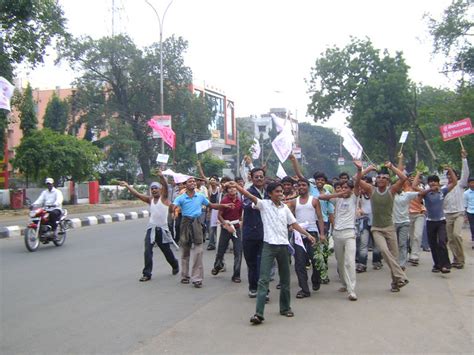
(270, 220)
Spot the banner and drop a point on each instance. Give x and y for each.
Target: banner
(255, 149)
(166, 133)
(456, 129)
(202, 146)
(6, 92)
(351, 144)
(281, 173)
(177, 177)
(283, 145)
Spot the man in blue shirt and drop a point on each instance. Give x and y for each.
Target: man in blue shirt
(469, 205)
(436, 221)
(191, 204)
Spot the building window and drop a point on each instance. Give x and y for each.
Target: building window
(262, 129)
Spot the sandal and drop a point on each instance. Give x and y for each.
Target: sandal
(288, 313)
(256, 319)
(237, 280)
(302, 294)
(185, 280)
(402, 283)
(197, 284)
(145, 278)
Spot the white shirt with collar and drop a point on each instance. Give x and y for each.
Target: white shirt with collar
(453, 201)
(275, 221)
(52, 198)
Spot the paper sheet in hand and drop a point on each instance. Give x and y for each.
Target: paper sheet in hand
(283, 145)
(281, 173)
(202, 146)
(403, 137)
(162, 158)
(255, 148)
(352, 145)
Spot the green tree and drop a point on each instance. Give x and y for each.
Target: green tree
(452, 36)
(27, 28)
(436, 107)
(47, 153)
(371, 87)
(26, 106)
(212, 165)
(320, 147)
(56, 115)
(123, 82)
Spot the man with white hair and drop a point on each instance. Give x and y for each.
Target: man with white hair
(52, 200)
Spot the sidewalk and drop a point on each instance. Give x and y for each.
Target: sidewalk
(13, 222)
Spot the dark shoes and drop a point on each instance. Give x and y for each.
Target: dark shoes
(256, 319)
(445, 270)
(288, 313)
(211, 247)
(197, 284)
(435, 270)
(302, 294)
(175, 270)
(413, 262)
(457, 265)
(361, 268)
(145, 278)
(316, 287)
(278, 286)
(236, 279)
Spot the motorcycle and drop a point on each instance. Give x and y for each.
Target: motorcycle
(39, 229)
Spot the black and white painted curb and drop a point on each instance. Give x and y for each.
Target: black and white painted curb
(18, 231)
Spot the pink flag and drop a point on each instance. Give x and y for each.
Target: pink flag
(166, 133)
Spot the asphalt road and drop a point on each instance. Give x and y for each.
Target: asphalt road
(84, 297)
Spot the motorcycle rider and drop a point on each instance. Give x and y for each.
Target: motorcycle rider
(52, 200)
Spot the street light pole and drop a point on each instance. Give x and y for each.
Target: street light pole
(161, 21)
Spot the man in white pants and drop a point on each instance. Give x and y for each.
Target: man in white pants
(344, 234)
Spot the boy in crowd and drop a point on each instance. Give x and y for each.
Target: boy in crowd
(436, 220)
(276, 218)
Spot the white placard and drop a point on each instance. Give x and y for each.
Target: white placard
(255, 148)
(162, 158)
(281, 173)
(6, 92)
(283, 145)
(352, 145)
(202, 146)
(297, 235)
(403, 137)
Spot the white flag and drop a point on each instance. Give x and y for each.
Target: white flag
(255, 149)
(202, 146)
(281, 173)
(162, 158)
(179, 178)
(283, 145)
(352, 145)
(403, 137)
(279, 122)
(6, 92)
(297, 235)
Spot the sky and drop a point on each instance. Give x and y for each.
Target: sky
(260, 52)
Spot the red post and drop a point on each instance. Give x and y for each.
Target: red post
(93, 192)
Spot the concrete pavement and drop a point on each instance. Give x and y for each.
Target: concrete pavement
(85, 298)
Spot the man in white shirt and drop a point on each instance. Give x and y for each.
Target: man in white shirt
(276, 217)
(454, 211)
(52, 200)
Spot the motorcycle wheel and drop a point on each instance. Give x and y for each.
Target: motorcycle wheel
(32, 242)
(61, 235)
